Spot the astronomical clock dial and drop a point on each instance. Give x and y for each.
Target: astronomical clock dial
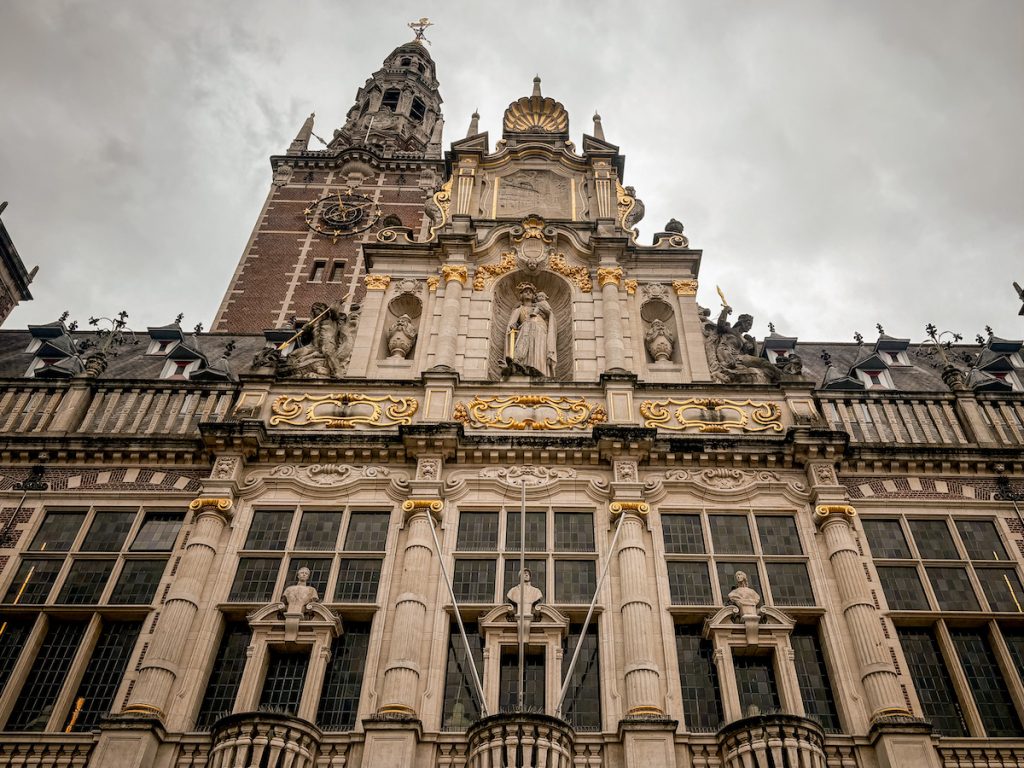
(341, 214)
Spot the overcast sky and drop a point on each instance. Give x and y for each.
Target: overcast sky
(839, 163)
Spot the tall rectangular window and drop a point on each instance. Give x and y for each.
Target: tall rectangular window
(58, 531)
(158, 533)
(987, 683)
(533, 680)
(103, 674)
(108, 531)
(698, 678)
(931, 680)
(45, 679)
(755, 681)
(286, 675)
(812, 674)
(582, 706)
(339, 697)
(226, 676)
(13, 635)
(461, 703)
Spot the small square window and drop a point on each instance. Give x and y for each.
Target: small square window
(158, 533)
(319, 572)
(574, 532)
(689, 583)
(85, 582)
(316, 273)
(255, 579)
(536, 531)
(367, 532)
(478, 531)
(357, 581)
(933, 540)
(108, 531)
(953, 589)
(538, 575)
(58, 532)
(790, 583)
(727, 577)
(902, 586)
(683, 534)
(886, 539)
(473, 580)
(33, 581)
(138, 582)
(981, 540)
(778, 535)
(318, 531)
(731, 533)
(269, 530)
(575, 581)
(179, 369)
(1002, 588)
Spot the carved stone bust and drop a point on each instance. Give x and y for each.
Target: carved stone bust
(298, 596)
(744, 598)
(527, 601)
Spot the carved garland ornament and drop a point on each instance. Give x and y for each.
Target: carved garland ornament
(347, 409)
(534, 412)
(527, 474)
(579, 275)
(709, 414)
(487, 272)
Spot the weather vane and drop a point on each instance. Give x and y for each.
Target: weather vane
(419, 27)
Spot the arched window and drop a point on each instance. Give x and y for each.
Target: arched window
(390, 99)
(417, 110)
(405, 62)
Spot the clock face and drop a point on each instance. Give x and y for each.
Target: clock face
(341, 214)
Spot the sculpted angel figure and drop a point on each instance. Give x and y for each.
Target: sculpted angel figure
(732, 351)
(530, 334)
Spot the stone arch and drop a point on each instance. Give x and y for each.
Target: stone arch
(406, 304)
(506, 299)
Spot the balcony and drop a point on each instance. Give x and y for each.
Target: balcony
(520, 740)
(782, 741)
(266, 739)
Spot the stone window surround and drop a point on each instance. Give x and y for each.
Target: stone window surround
(936, 618)
(92, 614)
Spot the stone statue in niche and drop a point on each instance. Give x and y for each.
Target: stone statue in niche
(531, 348)
(525, 601)
(401, 337)
(327, 341)
(732, 351)
(744, 598)
(660, 341)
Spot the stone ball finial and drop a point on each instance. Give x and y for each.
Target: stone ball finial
(674, 225)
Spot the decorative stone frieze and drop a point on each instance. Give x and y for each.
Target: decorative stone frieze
(343, 410)
(529, 412)
(712, 414)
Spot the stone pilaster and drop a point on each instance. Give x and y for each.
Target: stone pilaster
(691, 345)
(609, 279)
(454, 277)
(160, 668)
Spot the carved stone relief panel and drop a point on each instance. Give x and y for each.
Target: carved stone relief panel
(534, 191)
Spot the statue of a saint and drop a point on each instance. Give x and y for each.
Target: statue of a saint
(744, 598)
(531, 345)
(527, 601)
(299, 595)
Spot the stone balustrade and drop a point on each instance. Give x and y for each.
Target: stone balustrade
(46, 750)
(782, 741)
(266, 739)
(520, 740)
(962, 753)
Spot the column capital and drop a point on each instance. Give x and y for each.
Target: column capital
(377, 282)
(609, 276)
(432, 507)
(827, 513)
(212, 504)
(432, 282)
(639, 508)
(685, 287)
(455, 272)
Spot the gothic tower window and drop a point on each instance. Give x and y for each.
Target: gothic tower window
(390, 98)
(418, 109)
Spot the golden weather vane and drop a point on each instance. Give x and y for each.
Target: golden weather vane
(419, 27)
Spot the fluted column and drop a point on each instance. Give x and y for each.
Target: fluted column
(643, 684)
(170, 640)
(402, 674)
(454, 277)
(881, 684)
(609, 278)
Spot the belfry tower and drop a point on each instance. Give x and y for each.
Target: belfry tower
(379, 168)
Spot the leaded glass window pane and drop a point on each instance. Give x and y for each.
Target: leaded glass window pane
(1002, 588)
(778, 535)
(538, 575)
(33, 581)
(903, 590)
(367, 532)
(582, 708)
(755, 681)
(533, 680)
(981, 538)
(49, 671)
(931, 680)
(886, 539)
(58, 532)
(689, 583)
(730, 534)
(138, 582)
(104, 672)
(461, 702)
(343, 681)
(987, 684)
(108, 531)
(226, 676)
(282, 687)
(536, 531)
(953, 589)
(269, 529)
(575, 581)
(574, 532)
(318, 530)
(12, 640)
(319, 572)
(812, 675)
(683, 534)
(698, 677)
(478, 531)
(85, 582)
(1015, 642)
(158, 532)
(790, 583)
(255, 579)
(727, 576)
(933, 540)
(473, 580)
(358, 579)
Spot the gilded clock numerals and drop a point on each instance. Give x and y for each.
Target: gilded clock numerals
(341, 214)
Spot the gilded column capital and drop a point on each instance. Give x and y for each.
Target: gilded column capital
(609, 276)
(631, 286)
(685, 287)
(204, 503)
(377, 282)
(432, 507)
(432, 282)
(825, 513)
(629, 507)
(452, 272)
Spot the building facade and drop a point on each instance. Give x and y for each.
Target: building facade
(464, 476)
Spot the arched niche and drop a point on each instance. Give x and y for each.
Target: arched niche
(506, 298)
(402, 325)
(661, 339)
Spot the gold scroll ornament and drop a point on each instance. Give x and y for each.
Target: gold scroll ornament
(443, 200)
(578, 275)
(487, 272)
(626, 204)
(709, 414)
(344, 410)
(542, 412)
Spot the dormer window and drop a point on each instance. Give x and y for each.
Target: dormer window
(160, 346)
(895, 356)
(417, 110)
(179, 370)
(390, 99)
(875, 379)
(39, 364)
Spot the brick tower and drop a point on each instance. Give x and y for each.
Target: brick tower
(323, 204)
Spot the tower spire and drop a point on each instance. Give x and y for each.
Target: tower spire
(598, 128)
(301, 141)
(474, 125)
(536, 86)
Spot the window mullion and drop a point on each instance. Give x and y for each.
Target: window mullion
(975, 724)
(65, 699)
